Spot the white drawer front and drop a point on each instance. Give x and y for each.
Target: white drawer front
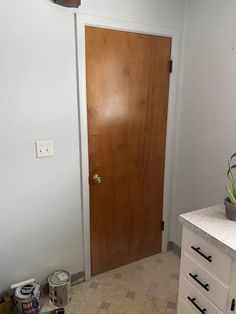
(207, 283)
(183, 308)
(207, 254)
(195, 299)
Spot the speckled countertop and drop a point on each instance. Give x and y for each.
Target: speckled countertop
(212, 224)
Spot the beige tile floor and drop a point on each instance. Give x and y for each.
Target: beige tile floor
(148, 286)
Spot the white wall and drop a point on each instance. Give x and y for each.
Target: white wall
(207, 128)
(40, 198)
(165, 13)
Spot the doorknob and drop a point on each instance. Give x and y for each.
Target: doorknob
(97, 179)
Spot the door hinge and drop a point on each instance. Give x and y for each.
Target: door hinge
(171, 66)
(162, 225)
(232, 305)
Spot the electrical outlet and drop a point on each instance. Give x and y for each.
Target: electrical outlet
(44, 149)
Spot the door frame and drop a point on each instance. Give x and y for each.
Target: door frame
(81, 21)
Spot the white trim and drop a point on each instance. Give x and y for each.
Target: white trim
(82, 21)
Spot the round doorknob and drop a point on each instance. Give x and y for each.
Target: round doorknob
(97, 179)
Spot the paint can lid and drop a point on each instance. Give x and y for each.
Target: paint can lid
(59, 278)
(27, 291)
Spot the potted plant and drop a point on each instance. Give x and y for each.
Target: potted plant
(230, 201)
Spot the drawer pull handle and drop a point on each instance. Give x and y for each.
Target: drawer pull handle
(203, 311)
(198, 250)
(195, 277)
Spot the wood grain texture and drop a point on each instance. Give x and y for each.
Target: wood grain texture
(127, 102)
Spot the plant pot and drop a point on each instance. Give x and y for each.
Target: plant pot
(230, 210)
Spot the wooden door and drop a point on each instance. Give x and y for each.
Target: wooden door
(127, 100)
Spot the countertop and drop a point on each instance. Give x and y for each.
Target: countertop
(211, 223)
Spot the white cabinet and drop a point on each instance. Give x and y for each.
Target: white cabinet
(207, 277)
(206, 282)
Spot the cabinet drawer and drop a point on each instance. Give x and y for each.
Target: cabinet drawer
(183, 308)
(207, 283)
(195, 299)
(207, 255)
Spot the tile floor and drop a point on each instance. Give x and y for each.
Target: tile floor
(148, 286)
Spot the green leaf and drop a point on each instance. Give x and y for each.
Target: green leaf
(231, 196)
(231, 167)
(231, 178)
(232, 156)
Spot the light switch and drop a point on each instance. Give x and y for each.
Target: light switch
(44, 149)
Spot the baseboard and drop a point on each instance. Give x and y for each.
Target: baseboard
(174, 247)
(77, 278)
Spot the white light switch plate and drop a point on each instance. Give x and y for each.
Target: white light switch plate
(44, 149)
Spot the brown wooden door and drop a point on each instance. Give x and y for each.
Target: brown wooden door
(127, 100)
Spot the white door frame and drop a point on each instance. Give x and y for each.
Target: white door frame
(86, 20)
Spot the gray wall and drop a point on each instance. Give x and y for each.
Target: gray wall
(40, 198)
(207, 125)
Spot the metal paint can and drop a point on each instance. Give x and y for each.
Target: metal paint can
(60, 288)
(27, 299)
